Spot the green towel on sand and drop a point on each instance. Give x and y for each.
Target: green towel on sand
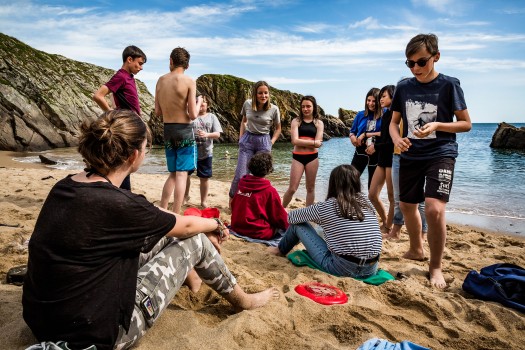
(301, 258)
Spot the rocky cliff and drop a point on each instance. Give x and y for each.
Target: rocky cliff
(508, 136)
(227, 94)
(44, 97)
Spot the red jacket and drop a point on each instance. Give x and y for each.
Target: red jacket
(257, 210)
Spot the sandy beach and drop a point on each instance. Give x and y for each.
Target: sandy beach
(406, 309)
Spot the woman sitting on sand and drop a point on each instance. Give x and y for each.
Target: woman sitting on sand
(307, 136)
(352, 243)
(102, 266)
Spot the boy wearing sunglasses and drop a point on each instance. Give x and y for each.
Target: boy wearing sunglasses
(427, 103)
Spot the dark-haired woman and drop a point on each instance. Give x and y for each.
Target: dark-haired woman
(366, 126)
(384, 148)
(307, 136)
(259, 116)
(102, 264)
(352, 240)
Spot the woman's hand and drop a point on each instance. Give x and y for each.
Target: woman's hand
(370, 149)
(214, 239)
(353, 140)
(360, 139)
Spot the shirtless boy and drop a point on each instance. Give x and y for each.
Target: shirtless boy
(175, 97)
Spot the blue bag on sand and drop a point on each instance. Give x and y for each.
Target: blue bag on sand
(504, 283)
(381, 344)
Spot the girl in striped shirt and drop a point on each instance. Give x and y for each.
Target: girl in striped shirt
(352, 240)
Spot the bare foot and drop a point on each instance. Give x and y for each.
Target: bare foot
(385, 230)
(193, 281)
(274, 251)
(395, 232)
(204, 205)
(244, 301)
(186, 200)
(419, 256)
(391, 237)
(437, 279)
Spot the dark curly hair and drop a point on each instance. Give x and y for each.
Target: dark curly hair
(108, 141)
(180, 57)
(261, 164)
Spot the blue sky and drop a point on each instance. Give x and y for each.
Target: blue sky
(334, 50)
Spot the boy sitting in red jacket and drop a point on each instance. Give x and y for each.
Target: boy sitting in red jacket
(257, 211)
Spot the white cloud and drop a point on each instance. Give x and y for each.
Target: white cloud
(313, 28)
(367, 23)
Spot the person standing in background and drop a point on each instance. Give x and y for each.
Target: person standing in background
(258, 118)
(364, 124)
(177, 102)
(122, 86)
(207, 128)
(307, 136)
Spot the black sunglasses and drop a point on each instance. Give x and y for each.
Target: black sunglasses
(420, 62)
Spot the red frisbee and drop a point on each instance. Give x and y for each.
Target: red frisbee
(322, 293)
(205, 213)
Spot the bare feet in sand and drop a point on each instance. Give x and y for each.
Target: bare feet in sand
(204, 205)
(274, 251)
(419, 256)
(385, 230)
(193, 281)
(436, 278)
(186, 200)
(394, 234)
(244, 301)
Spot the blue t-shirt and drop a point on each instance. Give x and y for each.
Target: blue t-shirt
(359, 124)
(421, 103)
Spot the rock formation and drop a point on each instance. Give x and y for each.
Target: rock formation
(44, 97)
(508, 136)
(227, 94)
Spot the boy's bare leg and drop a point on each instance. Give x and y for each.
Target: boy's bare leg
(244, 301)
(167, 191)
(180, 187)
(187, 192)
(204, 192)
(437, 236)
(413, 225)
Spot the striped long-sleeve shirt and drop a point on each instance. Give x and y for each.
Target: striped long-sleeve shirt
(361, 239)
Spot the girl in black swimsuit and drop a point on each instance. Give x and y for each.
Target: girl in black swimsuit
(307, 136)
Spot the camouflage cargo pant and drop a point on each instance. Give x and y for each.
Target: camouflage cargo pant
(162, 273)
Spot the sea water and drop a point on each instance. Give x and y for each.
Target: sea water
(488, 189)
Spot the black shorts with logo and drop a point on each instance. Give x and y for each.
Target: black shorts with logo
(431, 178)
